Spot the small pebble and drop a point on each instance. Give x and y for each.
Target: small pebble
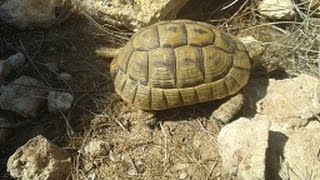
(59, 101)
(17, 60)
(65, 76)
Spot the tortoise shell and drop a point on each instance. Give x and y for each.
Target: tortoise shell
(178, 63)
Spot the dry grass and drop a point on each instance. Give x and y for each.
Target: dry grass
(185, 143)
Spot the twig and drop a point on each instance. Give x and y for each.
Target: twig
(33, 64)
(166, 154)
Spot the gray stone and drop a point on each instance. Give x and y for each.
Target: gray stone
(39, 159)
(65, 76)
(16, 60)
(59, 101)
(52, 66)
(28, 14)
(242, 145)
(23, 96)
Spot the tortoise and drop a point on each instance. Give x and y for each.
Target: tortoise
(178, 63)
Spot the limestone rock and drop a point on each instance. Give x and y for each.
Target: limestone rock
(28, 13)
(294, 154)
(39, 159)
(23, 96)
(242, 145)
(277, 9)
(290, 103)
(133, 14)
(292, 106)
(59, 101)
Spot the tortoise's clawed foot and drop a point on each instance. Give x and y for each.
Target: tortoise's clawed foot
(148, 119)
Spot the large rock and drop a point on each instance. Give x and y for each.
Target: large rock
(39, 159)
(133, 14)
(23, 96)
(242, 145)
(292, 106)
(290, 103)
(28, 13)
(277, 9)
(294, 154)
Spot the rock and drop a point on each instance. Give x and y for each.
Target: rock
(242, 145)
(59, 101)
(97, 148)
(65, 76)
(290, 103)
(292, 106)
(52, 66)
(294, 154)
(28, 13)
(277, 9)
(133, 14)
(17, 60)
(183, 175)
(23, 96)
(39, 159)
(5, 69)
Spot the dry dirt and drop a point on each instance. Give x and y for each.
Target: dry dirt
(182, 146)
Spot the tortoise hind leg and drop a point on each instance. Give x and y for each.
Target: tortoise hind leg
(143, 123)
(148, 119)
(228, 109)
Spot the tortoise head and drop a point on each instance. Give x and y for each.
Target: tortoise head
(254, 49)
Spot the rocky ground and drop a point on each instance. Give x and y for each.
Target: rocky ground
(61, 119)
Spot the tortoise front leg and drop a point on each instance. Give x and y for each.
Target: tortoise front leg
(228, 109)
